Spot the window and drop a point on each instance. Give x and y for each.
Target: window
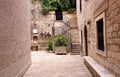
(80, 5)
(34, 30)
(100, 34)
(59, 15)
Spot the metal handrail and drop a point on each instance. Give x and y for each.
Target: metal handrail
(67, 35)
(68, 22)
(65, 32)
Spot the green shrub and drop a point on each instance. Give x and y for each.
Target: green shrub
(53, 5)
(60, 40)
(71, 10)
(34, 1)
(49, 44)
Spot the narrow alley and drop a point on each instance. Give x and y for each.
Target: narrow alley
(79, 34)
(51, 65)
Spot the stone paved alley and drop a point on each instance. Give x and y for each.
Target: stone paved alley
(51, 65)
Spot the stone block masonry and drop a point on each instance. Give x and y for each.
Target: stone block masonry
(91, 11)
(14, 37)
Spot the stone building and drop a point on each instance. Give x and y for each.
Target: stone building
(99, 29)
(14, 37)
(42, 24)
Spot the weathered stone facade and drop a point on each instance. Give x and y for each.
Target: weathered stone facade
(14, 37)
(91, 10)
(44, 23)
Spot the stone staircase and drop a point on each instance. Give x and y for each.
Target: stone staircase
(75, 49)
(69, 28)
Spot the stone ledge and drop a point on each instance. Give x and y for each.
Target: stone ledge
(96, 69)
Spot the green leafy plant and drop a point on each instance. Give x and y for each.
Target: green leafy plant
(34, 1)
(60, 40)
(71, 10)
(53, 5)
(49, 44)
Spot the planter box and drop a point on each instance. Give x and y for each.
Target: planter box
(34, 48)
(60, 50)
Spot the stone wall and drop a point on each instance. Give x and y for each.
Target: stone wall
(113, 36)
(44, 24)
(14, 37)
(91, 10)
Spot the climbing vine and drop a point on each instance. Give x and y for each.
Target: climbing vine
(52, 5)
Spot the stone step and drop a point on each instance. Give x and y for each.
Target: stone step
(75, 43)
(75, 53)
(75, 49)
(75, 46)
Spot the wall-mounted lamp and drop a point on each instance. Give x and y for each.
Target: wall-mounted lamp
(87, 22)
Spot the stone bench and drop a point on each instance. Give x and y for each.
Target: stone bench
(96, 69)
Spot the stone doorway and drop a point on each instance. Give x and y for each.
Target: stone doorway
(86, 38)
(59, 15)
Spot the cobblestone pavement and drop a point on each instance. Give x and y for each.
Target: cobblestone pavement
(51, 65)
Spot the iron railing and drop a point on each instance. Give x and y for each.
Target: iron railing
(66, 34)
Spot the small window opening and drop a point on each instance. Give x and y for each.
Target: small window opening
(80, 5)
(100, 34)
(59, 15)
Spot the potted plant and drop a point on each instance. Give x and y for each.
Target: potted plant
(49, 45)
(60, 44)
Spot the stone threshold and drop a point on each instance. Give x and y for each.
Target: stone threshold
(96, 69)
